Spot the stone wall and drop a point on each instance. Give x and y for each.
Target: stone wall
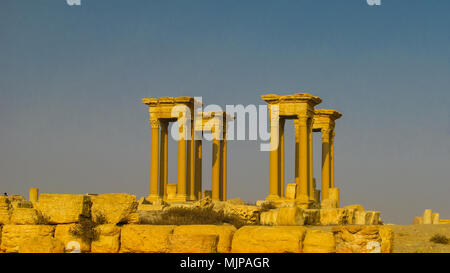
(132, 238)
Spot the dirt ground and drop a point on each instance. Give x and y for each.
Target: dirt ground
(414, 238)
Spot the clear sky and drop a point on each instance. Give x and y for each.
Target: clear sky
(71, 81)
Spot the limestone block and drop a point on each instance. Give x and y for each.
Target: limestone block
(149, 217)
(418, 220)
(319, 241)
(250, 214)
(329, 204)
(193, 243)
(33, 195)
(290, 217)
(363, 239)
(63, 208)
(41, 245)
(62, 233)
(150, 207)
(225, 234)
(5, 210)
(145, 238)
(264, 239)
(427, 216)
(113, 207)
(444, 221)
(107, 240)
(25, 216)
(362, 217)
(374, 218)
(269, 218)
(236, 201)
(334, 194)
(312, 216)
(14, 235)
(333, 216)
(387, 239)
(291, 190)
(357, 207)
(172, 191)
(435, 218)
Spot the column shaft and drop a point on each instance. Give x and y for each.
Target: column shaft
(181, 175)
(281, 159)
(302, 189)
(325, 163)
(154, 159)
(332, 159)
(163, 162)
(198, 168)
(224, 168)
(191, 161)
(274, 144)
(216, 170)
(310, 162)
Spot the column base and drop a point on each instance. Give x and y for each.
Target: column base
(272, 197)
(153, 197)
(179, 198)
(303, 201)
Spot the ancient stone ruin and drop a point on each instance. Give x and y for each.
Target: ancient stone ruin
(184, 217)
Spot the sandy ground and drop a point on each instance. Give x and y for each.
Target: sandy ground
(414, 238)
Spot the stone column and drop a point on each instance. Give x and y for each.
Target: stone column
(191, 164)
(303, 168)
(312, 187)
(325, 162)
(216, 168)
(224, 167)
(154, 160)
(181, 175)
(33, 195)
(281, 159)
(274, 145)
(198, 168)
(163, 165)
(332, 158)
(297, 155)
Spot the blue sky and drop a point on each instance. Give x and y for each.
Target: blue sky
(71, 80)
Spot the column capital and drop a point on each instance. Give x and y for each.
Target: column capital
(154, 122)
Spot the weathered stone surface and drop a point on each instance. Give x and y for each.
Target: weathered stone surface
(418, 220)
(329, 204)
(5, 210)
(333, 216)
(374, 218)
(435, 218)
(319, 241)
(108, 239)
(250, 214)
(362, 217)
(357, 207)
(193, 243)
(114, 207)
(269, 218)
(312, 216)
(363, 239)
(14, 235)
(150, 207)
(41, 245)
(427, 216)
(236, 201)
(62, 233)
(145, 238)
(264, 239)
(225, 234)
(291, 190)
(290, 217)
(25, 216)
(63, 208)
